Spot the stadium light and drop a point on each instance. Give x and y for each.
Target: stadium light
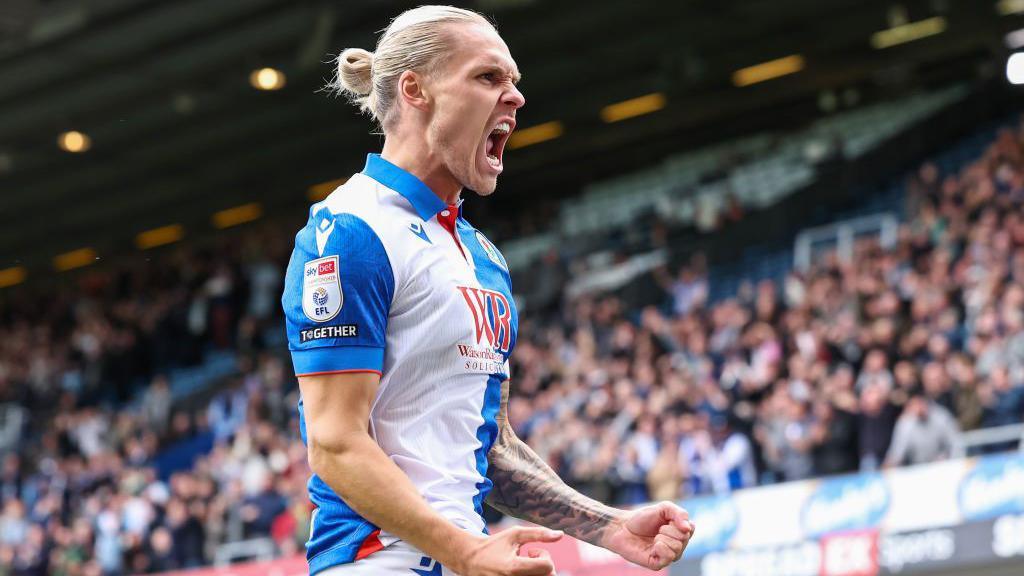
(237, 215)
(74, 259)
(908, 32)
(1009, 7)
(1015, 39)
(768, 70)
(267, 79)
(1015, 68)
(74, 141)
(318, 192)
(535, 134)
(633, 107)
(159, 236)
(11, 276)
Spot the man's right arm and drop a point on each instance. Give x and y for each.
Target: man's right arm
(344, 455)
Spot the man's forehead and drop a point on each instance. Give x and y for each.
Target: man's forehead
(502, 61)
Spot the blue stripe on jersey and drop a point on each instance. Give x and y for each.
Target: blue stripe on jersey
(486, 434)
(492, 277)
(422, 198)
(337, 531)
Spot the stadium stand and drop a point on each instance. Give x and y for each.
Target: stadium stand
(694, 188)
(162, 424)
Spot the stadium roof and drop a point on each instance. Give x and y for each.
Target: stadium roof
(162, 91)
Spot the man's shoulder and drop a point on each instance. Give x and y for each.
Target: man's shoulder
(357, 213)
(363, 201)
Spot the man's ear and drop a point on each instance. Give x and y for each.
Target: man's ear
(412, 89)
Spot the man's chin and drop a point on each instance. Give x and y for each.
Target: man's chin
(484, 186)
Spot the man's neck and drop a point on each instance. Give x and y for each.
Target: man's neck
(407, 154)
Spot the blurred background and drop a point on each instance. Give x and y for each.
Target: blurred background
(768, 255)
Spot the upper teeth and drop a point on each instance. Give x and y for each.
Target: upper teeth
(502, 128)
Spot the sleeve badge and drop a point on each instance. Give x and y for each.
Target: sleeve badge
(322, 296)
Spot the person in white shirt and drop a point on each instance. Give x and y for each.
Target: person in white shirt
(926, 432)
(718, 460)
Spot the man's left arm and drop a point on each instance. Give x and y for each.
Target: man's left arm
(526, 487)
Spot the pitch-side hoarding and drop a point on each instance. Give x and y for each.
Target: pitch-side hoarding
(953, 514)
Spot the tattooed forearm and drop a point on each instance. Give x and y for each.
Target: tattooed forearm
(526, 487)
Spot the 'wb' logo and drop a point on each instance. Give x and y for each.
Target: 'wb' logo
(491, 317)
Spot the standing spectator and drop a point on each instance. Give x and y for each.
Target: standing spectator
(718, 460)
(1003, 402)
(875, 370)
(797, 461)
(875, 425)
(161, 552)
(834, 439)
(665, 478)
(11, 481)
(969, 408)
(108, 549)
(689, 290)
(259, 510)
(926, 432)
(187, 534)
(227, 412)
(156, 404)
(13, 524)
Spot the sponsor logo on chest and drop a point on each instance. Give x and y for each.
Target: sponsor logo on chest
(492, 317)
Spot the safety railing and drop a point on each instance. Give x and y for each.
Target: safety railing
(973, 441)
(843, 235)
(256, 549)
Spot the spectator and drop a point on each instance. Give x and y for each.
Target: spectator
(161, 556)
(156, 404)
(1003, 402)
(689, 290)
(13, 524)
(261, 509)
(834, 439)
(187, 533)
(926, 432)
(875, 426)
(785, 434)
(227, 411)
(665, 478)
(717, 459)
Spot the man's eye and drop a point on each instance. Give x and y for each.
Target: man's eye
(489, 76)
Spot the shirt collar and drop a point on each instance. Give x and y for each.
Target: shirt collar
(423, 200)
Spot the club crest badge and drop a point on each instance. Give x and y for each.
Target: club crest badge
(321, 289)
(491, 251)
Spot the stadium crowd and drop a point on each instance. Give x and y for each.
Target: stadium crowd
(81, 487)
(879, 361)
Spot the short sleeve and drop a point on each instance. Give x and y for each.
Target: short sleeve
(337, 294)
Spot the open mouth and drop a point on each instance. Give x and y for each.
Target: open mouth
(496, 140)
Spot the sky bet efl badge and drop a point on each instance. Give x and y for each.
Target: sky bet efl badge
(321, 289)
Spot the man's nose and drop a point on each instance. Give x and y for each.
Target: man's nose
(515, 98)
